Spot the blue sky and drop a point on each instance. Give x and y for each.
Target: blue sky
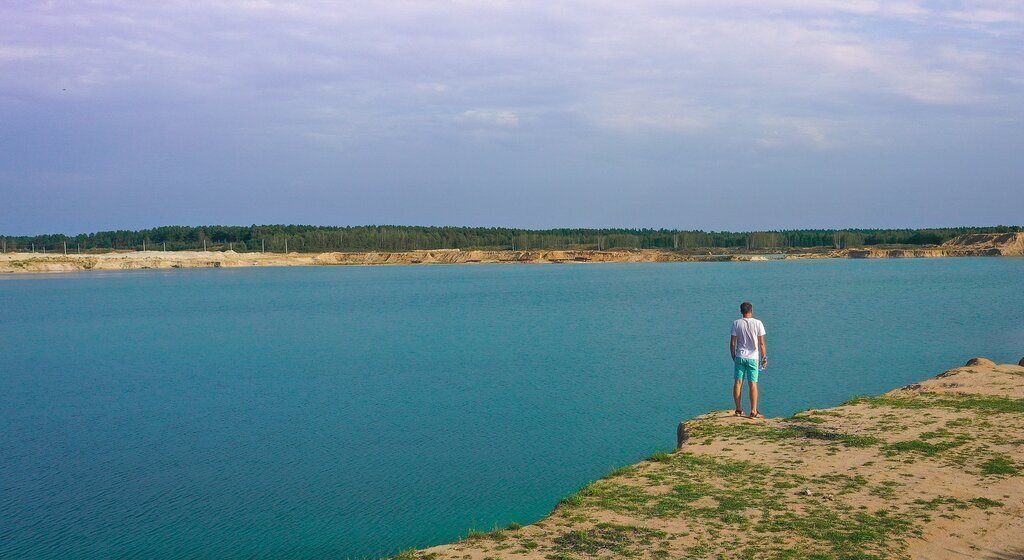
(749, 114)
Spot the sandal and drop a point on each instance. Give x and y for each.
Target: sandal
(739, 412)
(756, 414)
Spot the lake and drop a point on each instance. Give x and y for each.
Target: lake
(354, 412)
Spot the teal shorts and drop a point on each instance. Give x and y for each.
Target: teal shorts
(745, 369)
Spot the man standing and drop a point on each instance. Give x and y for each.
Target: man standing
(749, 357)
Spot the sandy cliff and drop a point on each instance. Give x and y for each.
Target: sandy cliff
(1005, 244)
(134, 260)
(1011, 244)
(972, 245)
(932, 470)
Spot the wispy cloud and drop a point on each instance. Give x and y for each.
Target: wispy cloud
(377, 77)
(490, 117)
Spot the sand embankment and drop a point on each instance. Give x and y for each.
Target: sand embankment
(135, 260)
(971, 245)
(932, 470)
(1011, 244)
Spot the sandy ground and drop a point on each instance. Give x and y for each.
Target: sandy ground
(933, 470)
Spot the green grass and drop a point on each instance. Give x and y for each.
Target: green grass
(993, 404)
(857, 535)
(923, 446)
(623, 471)
(985, 503)
(718, 493)
(660, 457)
(413, 554)
(1000, 465)
(843, 483)
(767, 433)
(885, 489)
(610, 537)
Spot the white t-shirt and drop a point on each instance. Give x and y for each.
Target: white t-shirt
(746, 332)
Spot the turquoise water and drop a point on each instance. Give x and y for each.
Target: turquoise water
(354, 412)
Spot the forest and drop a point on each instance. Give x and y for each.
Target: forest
(308, 238)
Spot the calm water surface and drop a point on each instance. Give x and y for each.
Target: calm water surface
(354, 412)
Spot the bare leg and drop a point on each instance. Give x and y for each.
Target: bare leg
(753, 398)
(737, 394)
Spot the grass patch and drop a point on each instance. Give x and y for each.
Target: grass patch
(924, 446)
(845, 484)
(413, 554)
(623, 471)
(1000, 465)
(885, 489)
(856, 535)
(719, 494)
(980, 403)
(764, 433)
(985, 503)
(620, 539)
(577, 499)
(660, 457)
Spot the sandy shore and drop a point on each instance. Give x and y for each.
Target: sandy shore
(38, 262)
(973, 245)
(932, 470)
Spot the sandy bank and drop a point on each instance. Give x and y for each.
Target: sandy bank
(977, 245)
(972, 245)
(932, 470)
(38, 262)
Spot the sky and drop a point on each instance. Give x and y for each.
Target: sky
(700, 114)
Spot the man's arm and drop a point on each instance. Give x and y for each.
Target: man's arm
(732, 347)
(764, 349)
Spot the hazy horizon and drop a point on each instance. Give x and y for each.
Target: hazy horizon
(736, 116)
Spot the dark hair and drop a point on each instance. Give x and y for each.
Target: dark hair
(746, 307)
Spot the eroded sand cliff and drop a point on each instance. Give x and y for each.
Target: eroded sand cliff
(1011, 244)
(38, 262)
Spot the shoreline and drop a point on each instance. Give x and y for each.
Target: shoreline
(934, 469)
(29, 263)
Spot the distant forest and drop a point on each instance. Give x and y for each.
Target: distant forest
(278, 238)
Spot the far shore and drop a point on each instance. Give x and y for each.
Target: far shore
(971, 245)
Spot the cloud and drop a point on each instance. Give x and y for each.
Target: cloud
(637, 111)
(722, 56)
(488, 117)
(21, 52)
(788, 132)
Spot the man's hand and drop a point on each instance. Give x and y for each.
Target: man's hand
(764, 362)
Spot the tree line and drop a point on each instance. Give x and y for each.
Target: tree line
(306, 238)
